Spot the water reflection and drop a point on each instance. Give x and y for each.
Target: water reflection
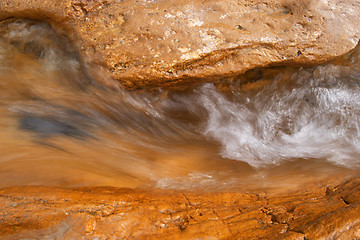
(272, 128)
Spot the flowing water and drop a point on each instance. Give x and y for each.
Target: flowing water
(271, 128)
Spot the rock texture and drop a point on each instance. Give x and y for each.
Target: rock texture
(152, 43)
(331, 212)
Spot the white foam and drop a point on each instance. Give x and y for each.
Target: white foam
(314, 120)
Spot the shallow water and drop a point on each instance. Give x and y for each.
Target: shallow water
(271, 128)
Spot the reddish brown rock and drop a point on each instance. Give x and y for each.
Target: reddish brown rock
(331, 212)
(147, 44)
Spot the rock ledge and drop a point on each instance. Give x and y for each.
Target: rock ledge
(330, 212)
(149, 44)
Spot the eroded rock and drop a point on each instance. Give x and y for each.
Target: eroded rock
(148, 44)
(329, 212)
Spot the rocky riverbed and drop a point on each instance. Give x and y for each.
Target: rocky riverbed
(109, 132)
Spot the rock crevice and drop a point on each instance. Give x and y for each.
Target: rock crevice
(314, 213)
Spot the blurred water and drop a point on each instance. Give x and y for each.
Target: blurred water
(272, 128)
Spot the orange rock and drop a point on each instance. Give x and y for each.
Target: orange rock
(105, 212)
(150, 44)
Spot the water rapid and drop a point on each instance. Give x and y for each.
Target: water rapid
(268, 128)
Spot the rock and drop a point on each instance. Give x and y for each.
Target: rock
(329, 212)
(149, 44)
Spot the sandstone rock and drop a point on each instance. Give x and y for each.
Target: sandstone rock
(147, 44)
(331, 212)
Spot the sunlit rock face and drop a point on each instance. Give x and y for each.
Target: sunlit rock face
(35, 212)
(62, 128)
(148, 44)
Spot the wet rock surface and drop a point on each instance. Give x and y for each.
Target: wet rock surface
(329, 212)
(150, 44)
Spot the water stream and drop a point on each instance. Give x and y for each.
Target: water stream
(271, 128)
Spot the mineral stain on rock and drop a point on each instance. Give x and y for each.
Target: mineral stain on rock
(258, 152)
(315, 213)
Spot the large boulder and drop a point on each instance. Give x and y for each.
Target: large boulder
(158, 43)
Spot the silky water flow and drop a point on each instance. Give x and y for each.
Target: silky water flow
(271, 128)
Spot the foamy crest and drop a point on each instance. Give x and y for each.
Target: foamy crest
(309, 116)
